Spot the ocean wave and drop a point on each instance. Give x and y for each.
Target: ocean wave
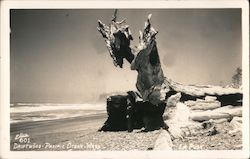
(49, 116)
(35, 107)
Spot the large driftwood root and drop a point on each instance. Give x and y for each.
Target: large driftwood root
(195, 117)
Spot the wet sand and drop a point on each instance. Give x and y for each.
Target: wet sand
(54, 131)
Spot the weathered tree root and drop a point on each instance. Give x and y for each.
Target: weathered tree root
(154, 88)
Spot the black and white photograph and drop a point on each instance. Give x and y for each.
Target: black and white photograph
(140, 79)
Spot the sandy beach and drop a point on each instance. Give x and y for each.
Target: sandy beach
(56, 131)
(77, 133)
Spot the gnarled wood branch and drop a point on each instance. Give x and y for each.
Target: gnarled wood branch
(117, 37)
(151, 82)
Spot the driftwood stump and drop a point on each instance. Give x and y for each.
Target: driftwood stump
(125, 113)
(145, 60)
(154, 89)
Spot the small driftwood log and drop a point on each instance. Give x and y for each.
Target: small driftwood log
(227, 112)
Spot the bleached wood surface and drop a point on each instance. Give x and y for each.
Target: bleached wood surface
(184, 122)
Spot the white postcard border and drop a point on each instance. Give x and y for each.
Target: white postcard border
(5, 77)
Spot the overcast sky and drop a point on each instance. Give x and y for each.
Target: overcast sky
(59, 56)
